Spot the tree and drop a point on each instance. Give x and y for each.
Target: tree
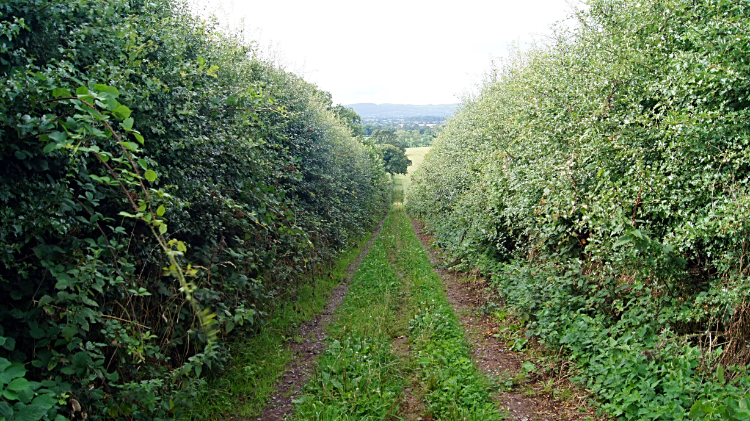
(395, 159)
(392, 150)
(350, 118)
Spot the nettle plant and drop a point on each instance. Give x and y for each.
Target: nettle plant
(601, 180)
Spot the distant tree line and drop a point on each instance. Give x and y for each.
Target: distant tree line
(411, 134)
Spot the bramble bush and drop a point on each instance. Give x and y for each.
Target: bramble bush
(162, 188)
(601, 180)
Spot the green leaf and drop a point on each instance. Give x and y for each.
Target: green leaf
(9, 344)
(30, 413)
(695, 410)
(82, 91)
(58, 137)
(6, 412)
(163, 229)
(69, 332)
(150, 175)
(14, 371)
(143, 164)
(50, 147)
(229, 327)
(160, 210)
(111, 91)
(121, 112)
(127, 124)
(130, 146)
(138, 137)
(625, 239)
(45, 401)
(18, 384)
(61, 92)
(80, 359)
(720, 374)
(36, 332)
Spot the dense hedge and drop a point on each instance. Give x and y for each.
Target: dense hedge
(601, 180)
(161, 187)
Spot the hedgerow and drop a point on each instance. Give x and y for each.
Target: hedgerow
(601, 180)
(162, 188)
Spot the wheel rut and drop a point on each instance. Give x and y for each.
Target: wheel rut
(313, 342)
(532, 396)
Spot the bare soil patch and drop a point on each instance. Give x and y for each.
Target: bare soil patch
(528, 400)
(305, 351)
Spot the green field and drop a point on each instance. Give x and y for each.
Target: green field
(416, 155)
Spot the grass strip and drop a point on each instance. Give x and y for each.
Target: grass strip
(258, 360)
(359, 377)
(454, 389)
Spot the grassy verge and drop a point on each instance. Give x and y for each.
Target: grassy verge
(257, 361)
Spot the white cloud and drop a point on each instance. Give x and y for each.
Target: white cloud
(395, 51)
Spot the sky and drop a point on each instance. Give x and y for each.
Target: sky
(390, 51)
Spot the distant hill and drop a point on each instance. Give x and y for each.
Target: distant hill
(375, 111)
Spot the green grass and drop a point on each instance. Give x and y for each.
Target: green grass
(402, 182)
(359, 377)
(257, 361)
(395, 293)
(453, 388)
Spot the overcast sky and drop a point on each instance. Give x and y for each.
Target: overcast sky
(390, 51)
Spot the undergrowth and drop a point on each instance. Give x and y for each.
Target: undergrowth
(258, 360)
